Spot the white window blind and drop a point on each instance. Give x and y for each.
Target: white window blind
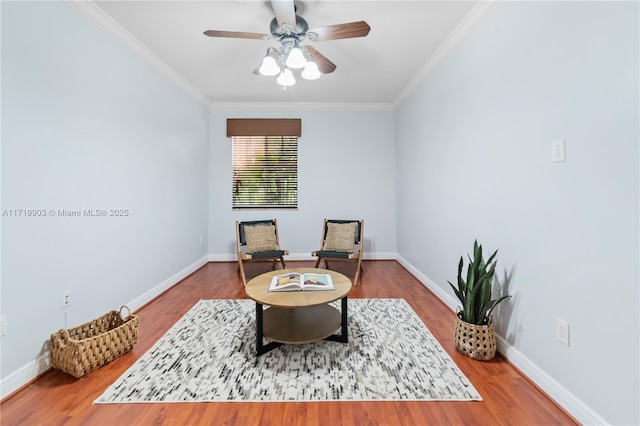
(265, 172)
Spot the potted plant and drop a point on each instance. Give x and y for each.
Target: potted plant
(474, 333)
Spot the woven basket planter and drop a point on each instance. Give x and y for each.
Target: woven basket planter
(79, 351)
(475, 341)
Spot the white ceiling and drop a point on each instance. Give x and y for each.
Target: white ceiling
(407, 38)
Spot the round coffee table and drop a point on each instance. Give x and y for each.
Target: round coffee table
(297, 317)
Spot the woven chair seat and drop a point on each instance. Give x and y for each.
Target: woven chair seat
(334, 254)
(265, 254)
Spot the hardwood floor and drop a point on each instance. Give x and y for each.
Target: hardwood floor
(509, 398)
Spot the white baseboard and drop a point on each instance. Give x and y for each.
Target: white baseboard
(552, 388)
(379, 256)
(222, 257)
(42, 363)
(166, 284)
(24, 375)
(445, 297)
(226, 257)
(558, 393)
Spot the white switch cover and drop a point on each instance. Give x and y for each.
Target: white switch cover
(558, 151)
(562, 331)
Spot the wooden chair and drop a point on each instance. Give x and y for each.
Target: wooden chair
(257, 240)
(342, 240)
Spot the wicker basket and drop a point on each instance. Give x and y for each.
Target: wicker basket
(475, 341)
(81, 350)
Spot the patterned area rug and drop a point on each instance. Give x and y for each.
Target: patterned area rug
(209, 355)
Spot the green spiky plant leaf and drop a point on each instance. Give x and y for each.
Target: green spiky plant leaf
(474, 293)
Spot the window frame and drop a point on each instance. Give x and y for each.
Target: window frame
(268, 167)
(267, 128)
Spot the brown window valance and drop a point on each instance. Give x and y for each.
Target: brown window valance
(264, 127)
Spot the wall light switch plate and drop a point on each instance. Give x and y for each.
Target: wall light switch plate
(3, 325)
(558, 154)
(562, 331)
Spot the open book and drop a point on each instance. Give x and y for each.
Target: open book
(301, 282)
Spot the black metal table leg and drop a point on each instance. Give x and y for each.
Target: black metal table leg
(343, 337)
(261, 348)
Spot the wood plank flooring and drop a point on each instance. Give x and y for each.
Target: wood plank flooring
(509, 398)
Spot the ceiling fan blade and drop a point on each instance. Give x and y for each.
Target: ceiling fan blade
(236, 34)
(325, 66)
(338, 31)
(285, 12)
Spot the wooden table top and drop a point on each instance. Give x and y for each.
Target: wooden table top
(258, 289)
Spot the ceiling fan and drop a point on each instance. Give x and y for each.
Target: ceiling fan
(290, 30)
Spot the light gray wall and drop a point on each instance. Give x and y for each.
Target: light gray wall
(86, 124)
(474, 161)
(346, 169)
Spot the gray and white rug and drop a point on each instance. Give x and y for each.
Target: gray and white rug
(209, 356)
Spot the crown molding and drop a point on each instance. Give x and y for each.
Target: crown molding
(96, 15)
(466, 27)
(304, 105)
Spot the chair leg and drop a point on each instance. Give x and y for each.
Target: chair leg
(284, 265)
(317, 263)
(241, 270)
(358, 272)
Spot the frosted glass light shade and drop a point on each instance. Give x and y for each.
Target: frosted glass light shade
(311, 71)
(269, 66)
(296, 58)
(286, 78)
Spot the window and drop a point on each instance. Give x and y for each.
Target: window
(265, 172)
(265, 162)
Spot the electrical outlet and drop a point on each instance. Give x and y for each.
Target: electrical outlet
(3, 325)
(65, 299)
(562, 331)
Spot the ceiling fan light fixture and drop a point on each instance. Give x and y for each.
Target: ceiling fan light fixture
(290, 30)
(296, 58)
(286, 78)
(269, 66)
(311, 71)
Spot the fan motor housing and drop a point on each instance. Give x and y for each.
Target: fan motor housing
(278, 32)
